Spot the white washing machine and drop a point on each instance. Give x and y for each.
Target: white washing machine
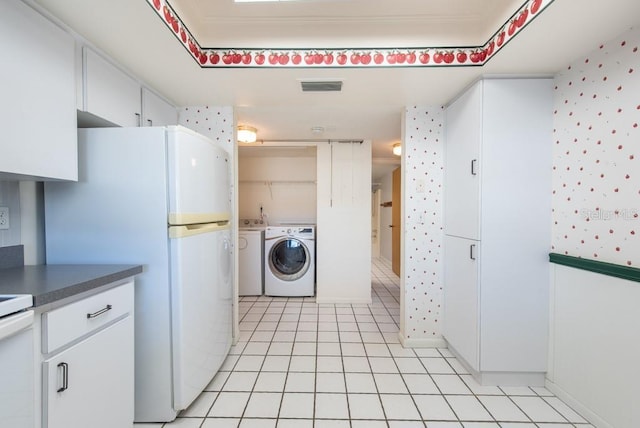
(251, 258)
(289, 260)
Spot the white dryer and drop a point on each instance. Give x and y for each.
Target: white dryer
(251, 257)
(289, 266)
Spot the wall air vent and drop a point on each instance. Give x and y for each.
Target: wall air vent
(322, 86)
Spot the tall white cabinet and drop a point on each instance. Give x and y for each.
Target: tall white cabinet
(497, 228)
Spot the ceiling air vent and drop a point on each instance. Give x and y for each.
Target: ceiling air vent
(321, 86)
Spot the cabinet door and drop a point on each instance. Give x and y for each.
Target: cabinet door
(109, 93)
(461, 293)
(91, 383)
(462, 164)
(156, 111)
(38, 108)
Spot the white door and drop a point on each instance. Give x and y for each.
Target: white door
(461, 310)
(201, 293)
(91, 383)
(462, 164)
(198, 178)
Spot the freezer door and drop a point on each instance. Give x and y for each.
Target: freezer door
(199, 180)
(201, 293)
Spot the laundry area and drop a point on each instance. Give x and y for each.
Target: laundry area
(277, 200)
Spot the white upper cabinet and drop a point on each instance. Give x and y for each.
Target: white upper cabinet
(38, 108)
(108, 92)
(156, 111)
(462, 165)
(112, 97)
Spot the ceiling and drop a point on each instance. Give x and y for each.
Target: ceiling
(372, 100)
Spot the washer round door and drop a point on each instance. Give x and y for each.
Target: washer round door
(289, 259)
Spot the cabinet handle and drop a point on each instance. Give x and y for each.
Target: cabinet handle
(473, 167)
(100, 312)
(139, 119)
(472, 251)
(65, 377)
(150, 122)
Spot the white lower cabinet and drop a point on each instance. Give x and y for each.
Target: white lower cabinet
(461, 299)
(91, 383)
(87, 361)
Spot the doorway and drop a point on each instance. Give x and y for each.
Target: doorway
(396, 223)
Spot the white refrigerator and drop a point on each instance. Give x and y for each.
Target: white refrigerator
(158, 197)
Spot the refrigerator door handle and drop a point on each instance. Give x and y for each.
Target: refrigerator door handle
(196, 229)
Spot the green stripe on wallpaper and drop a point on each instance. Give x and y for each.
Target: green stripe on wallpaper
(609, 269)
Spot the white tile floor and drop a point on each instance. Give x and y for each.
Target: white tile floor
(300, 364)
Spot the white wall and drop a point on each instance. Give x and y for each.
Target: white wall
(10, 198)
(32, 222)
(594, 346)
(343, 254)
(594, 349)
(284, 186)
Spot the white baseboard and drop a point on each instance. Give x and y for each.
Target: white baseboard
(576, 405)
(487, 378)
(421, 343)
(343, 300)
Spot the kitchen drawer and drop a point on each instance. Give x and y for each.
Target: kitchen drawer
(70, 322)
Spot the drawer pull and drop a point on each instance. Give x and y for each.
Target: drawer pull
(100, 312)
(65, 377)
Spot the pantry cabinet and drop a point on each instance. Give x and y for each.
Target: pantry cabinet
(497, 219)
(38, 108)
(88, 362)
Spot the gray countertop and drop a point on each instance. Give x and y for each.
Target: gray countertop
(50, 283)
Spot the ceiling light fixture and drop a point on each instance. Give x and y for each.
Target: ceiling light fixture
(247, 134)
(397, 149)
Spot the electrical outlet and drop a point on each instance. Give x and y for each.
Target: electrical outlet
(4, 217)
